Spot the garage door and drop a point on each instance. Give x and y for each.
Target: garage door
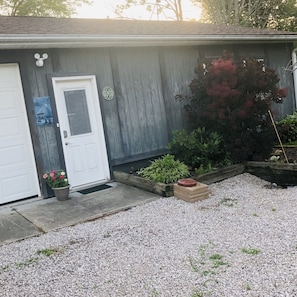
(18, 176)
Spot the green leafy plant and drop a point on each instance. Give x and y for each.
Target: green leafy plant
(287, 128)
(56, 178)
(198, 149)
(165, 170)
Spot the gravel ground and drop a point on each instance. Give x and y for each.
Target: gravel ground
(242, 241)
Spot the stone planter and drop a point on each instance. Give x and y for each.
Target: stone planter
(62, 193)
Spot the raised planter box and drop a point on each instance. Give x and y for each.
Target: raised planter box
(280, 173)
(220, 174)
(166, 190)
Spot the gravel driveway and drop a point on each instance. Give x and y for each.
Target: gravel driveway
(242, 241)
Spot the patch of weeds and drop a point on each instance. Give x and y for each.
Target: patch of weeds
(250, 251)
(248, 287)
(273, 209)
(193, 264)
(228, 201)
(255, 215)
(27, 262)
(217, 260)
(47, 252)
(198, 294)
(209, 281)
(106, 235)
(155, 293)
(208, 265)
(5, 267)
(207, 272)
(73, 241)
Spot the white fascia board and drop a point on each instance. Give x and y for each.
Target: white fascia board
(72, 41)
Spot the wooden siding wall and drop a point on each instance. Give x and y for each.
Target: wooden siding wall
(279, 62)
(139, 121)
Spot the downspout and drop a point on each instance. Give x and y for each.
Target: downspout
(294, 63)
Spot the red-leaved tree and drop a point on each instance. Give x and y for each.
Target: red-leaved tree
(233, 99)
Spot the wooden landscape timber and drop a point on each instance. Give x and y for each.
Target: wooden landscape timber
(281, 174)
(166, 190)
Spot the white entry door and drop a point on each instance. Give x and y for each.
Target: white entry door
(81, 128)
(18, 175)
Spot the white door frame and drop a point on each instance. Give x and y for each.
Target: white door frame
(96, 121)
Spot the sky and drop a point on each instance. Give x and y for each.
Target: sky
(105, 9)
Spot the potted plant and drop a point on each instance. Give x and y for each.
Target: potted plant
(57, 180)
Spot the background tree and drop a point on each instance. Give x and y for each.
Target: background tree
(171, 9)
(276, 14)
(46, 8)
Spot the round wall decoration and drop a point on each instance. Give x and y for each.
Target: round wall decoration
(108, 93)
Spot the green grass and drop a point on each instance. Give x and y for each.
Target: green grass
(228, 201)
(248, 287)
(5, 267)
(250, 251)
(197, 294)
(27, 262)
(106, 235)
(47, 252)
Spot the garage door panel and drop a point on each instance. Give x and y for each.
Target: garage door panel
(12, 155)
(11, 127)
(7, 100)
(11, 188)
(18, 175)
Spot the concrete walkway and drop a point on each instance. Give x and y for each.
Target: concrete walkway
(36, 216)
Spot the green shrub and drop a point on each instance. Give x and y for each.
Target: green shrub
(165, 170)
(198, 149)
(287, 128)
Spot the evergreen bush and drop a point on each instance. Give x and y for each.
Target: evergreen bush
(198, 149)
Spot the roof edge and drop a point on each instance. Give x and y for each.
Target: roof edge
(61, 41)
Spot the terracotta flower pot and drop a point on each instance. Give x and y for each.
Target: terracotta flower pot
(62, 193)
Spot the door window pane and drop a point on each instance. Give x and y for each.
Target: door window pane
(77, 112)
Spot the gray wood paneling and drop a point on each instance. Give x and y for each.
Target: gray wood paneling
(140, 100)
(177, 67)
(279, 56)
(46, 135)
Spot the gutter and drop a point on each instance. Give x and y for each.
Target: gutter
(294, 63)
(18, 41)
